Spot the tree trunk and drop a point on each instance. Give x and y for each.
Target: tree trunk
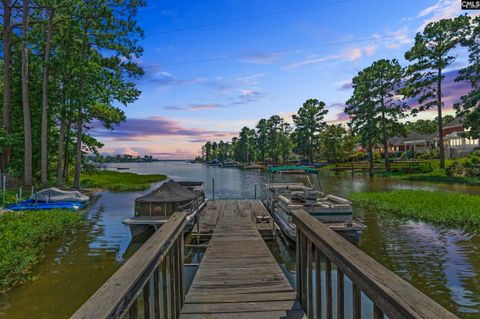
(370, 158)
(44, 125)
(78, 153)
(385, 141)
(27, 124)
(440, 120)
(7, 79)
(61, 137)
(66, 160)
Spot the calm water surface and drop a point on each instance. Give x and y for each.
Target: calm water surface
(443, 263)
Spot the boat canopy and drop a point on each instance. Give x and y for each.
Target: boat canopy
(57, 195)
(169, 192)
(287, 168)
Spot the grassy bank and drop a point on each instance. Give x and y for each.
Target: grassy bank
(439, 176)
(23, 237)
(119, 182)
(446, 209)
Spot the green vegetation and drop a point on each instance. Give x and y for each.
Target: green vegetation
(440, 176)
(119, 182)
(24, 236)
(446, 209)
(65, 65)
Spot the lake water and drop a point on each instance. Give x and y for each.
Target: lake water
(443, 263)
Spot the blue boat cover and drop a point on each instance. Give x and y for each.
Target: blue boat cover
(27, 205)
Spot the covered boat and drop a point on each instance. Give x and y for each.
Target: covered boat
(54, 194)
(153, 210)
(283, 198)
(45, 206)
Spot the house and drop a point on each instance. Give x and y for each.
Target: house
(418, 143)
(456, 144)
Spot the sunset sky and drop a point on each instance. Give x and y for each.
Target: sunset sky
(212, 67)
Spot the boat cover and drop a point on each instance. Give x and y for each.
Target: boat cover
(45, 206)
(306, 169)
(57, 195)
(169, 192)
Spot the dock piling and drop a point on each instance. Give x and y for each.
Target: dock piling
(213, 188)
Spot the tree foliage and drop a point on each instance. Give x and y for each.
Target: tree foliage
(431, 55)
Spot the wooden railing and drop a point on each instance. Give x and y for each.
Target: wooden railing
(149, 284)
(319, 249)
(401, 166)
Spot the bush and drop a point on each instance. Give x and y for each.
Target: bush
(23, 236)
(469, 167)
(430, 154)
(376, 156)
(359, 156)
(407, 155)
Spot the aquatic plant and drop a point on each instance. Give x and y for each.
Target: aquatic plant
(119, 182)
(442, 208)
(24, 236)
(440, 176)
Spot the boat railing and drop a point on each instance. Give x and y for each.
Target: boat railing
(321, 250)
(149, 284)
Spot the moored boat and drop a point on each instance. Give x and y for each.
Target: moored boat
(154, 209)
(53, 194)
(25, 205)
(229, 163)
(282, 199)
(214, 162)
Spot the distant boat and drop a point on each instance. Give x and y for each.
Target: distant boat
(122, 168)
(253, 166)
(229, 163)
(154, 209)
(214, 162)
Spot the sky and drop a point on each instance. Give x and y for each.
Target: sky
(212, 67)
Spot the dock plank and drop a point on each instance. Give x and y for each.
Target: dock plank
(238, 276)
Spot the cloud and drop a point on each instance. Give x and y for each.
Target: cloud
(349, 54)
(245, 96)
(260, 58)
(307, 61)
(371, 49)
(346, 85)
(194, 107)
(139, 129)
(352, 54)
(442, 9)
(155, 74)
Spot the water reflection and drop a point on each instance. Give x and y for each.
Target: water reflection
(443, 263)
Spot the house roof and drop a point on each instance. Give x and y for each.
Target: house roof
(413, 136)
(458, 121)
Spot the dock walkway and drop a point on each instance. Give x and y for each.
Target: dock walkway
(238, 276)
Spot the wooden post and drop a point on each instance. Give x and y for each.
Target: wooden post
(213, 189)
(146, 300)
(4, 184)
(255, 191)
(328, 288)
(309, 280)
(340, 295)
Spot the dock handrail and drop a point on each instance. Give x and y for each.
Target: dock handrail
(391, 295)
(151, 280)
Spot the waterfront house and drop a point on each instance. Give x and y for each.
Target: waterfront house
(456, 144)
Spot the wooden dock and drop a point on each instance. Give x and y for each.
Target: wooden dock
(238, 276)
(215, 210)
